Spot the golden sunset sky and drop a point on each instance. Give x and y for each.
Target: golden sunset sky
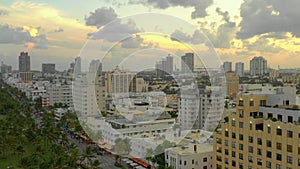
(56, 31)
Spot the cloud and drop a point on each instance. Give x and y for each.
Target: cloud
(196, 38)
(115, 31)
(59, 30)
(22, 35)
(263, 45)
(198, 5)
(100, 17)
(220, 33)
(3, 12)
(260, 17)
(134, 42)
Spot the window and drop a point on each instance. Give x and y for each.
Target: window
(226, 143)
(251, 102)
(269, 129)
(278, 131)
(269, 143)
(259, 161)
(241, 124)
(241, 156)
(233, 153)
(250, 149)
(241, 137)
(278, 157)
(289, 159)
(241, 146)
(298, 162)
(241, 113)
(205, 159)
(289, 134)
(279, 117)
(233, 144)
(250, 159)
(278, 166)
(250, 139)
(269, 154)
(250, 126)
(290, 119)
(278, 146)
(226, 133)
(268, 164)
(241, 102)
(226, 160)
(233, 163)
(289, 148)
(233, 122)
(184, 162)
(259, 141)
(226, 152)
(259, 152)
(233, 135)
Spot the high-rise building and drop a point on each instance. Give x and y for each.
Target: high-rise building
(239, 69)
(48, 68)
(122, 82)
(26, 77)
(187, 63)
(200, 107)
(164, 67)
(77, 66)
(5, 68)
(232, 83)
(24, 62)
(262, 133)
(169, 64)
(227, 66)
(258, 66)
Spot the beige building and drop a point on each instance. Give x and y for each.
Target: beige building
(26, 76)
(274, 74)
(291, 79)
(120, 81)
(258, 136)
(232, 83)
(192, 156)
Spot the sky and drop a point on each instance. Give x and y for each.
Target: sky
(112, 30)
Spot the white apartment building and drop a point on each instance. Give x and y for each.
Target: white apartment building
(192, 156)
(84, 97)
(200, 108)
(60, 93)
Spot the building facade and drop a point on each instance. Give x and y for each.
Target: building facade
(258, 66)
(239, 69)
(187, 63)
(48, 68)
(192, 156)
(259, 134)
(24, 62)
(232, 83)
(227, 66)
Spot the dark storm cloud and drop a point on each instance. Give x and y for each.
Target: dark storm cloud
(198, 5)
(260, 17)
(10, 35)
(100, 17)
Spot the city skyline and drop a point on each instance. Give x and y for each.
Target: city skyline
(57, 34)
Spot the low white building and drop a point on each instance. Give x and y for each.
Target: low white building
(60, 93)
(192, 156)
